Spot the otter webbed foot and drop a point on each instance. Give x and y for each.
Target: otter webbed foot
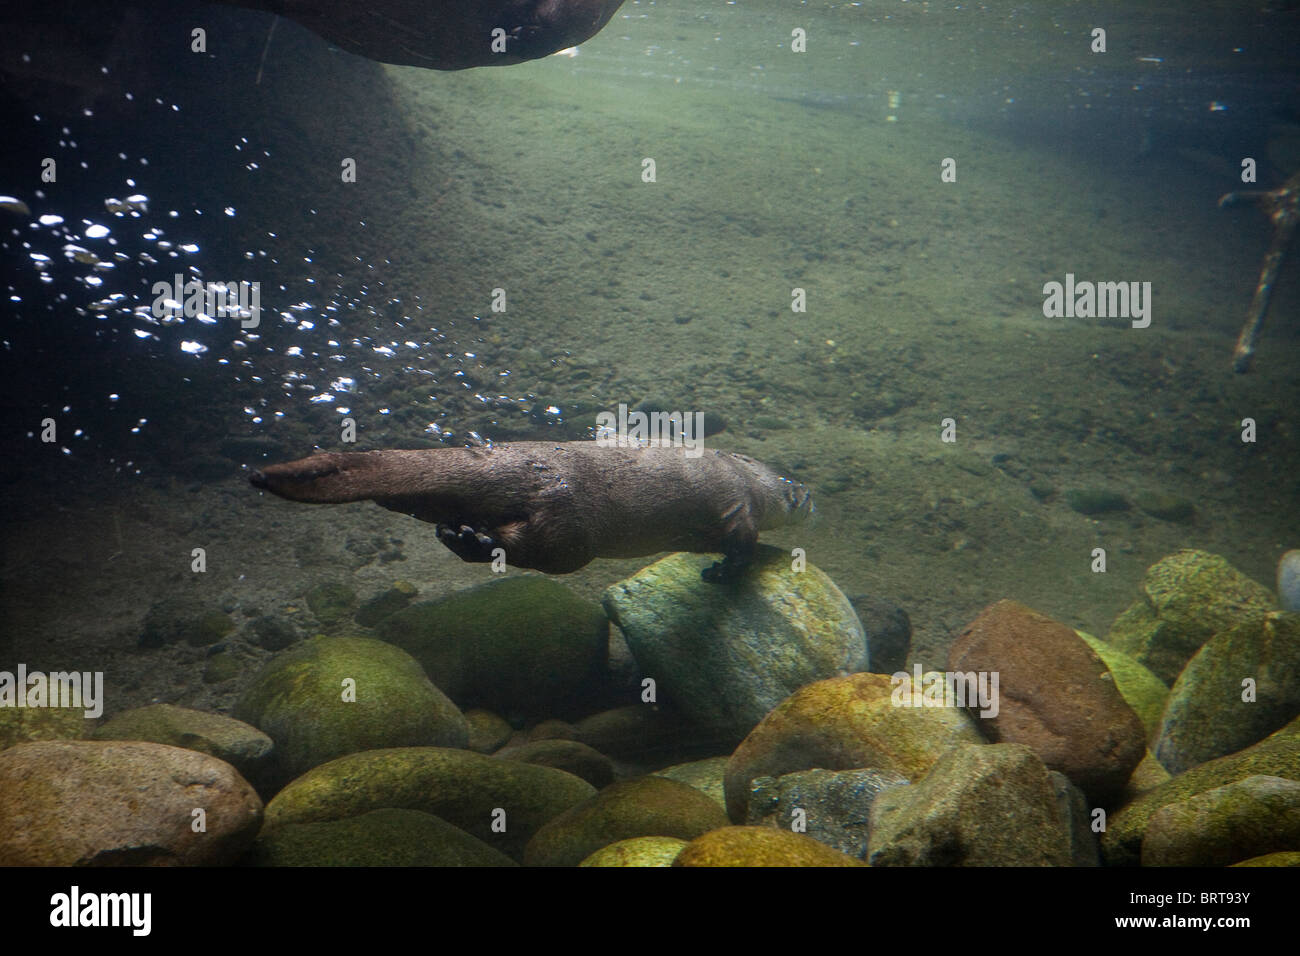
(468, 544)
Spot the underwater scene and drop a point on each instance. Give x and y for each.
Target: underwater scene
(650, 433)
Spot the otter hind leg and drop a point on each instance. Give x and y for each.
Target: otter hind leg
(739, 543)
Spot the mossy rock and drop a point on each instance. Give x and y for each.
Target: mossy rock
(176, 619)
(1165, 507)
(1186, 598)
(332, 602)
(567, 755)
(844, 723)
(704, 775)
(19, 725)
(1219, 827)
(1206, 716)
(387, 837)
(1278, 755)
(647, 806)
(1095, 501)
(242, 746)
(760, 846)
(221, 667)
(1285, 858)
(301, 700)
(488, 732)
(637, 851)
(1142, 690)
(386, 603)
(466, 789)
(525, 646)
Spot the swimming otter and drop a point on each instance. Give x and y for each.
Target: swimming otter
(554, 506)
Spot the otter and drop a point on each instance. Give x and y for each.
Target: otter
(556, 506)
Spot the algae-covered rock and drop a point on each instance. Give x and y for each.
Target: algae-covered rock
(1277, 755)
(331, 696)
(387, 837)
(468, 790)
(1147, 775)
(242, 746)
(842, 724)
(1291, 858)
(176, 619)
(221, 667)
(1186, 599)
(1095, 501)
(121, 803)
(704, 775)
(1253, 816)
(638, 851)
(725, 656)
(567, 755)
(833, 806)
(1210, 713)
(1054, 694)
(332, 602)
(520, 645)
(386, 603)
(647, 806)
(1166, 507)
(990, 805)
(1142, 690)
(638, 730)
(488, 732)
(24, 724)
(760, 846)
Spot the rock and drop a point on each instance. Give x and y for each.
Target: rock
(888, 631)
(24, 724)
(1288, 581)
(1253, 816)
(552, 730)
(704, 775)
(273, 633)
(221, 667)
(1142, 690)
(638, 731)
(638, 851)
(833, 805)
(522, 646)
(724, 657)
(1146, 776)
(1186, 599)
(387, 837)
(647, 806)
(332, 603)
(1166, 507)
(386, 603)
(121, 803)
(243, 747)
(567, 755)
(981, 805)
(844, 723)
(759, 846)
(177, 619)
(1095, 501)
(1055, 695)
(1272, 859)
(1206, 716)
(298, 699)
(447, 34)
(466, 789)
(487, 732)
(1277, 755)
(1073, 808)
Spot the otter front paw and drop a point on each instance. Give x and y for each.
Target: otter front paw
(468, 544)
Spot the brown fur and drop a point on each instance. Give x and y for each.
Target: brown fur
(556, 506)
